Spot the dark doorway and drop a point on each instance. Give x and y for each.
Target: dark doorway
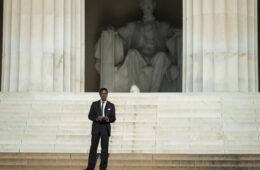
(100, 14)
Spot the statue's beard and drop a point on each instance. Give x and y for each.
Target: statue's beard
(148, 16)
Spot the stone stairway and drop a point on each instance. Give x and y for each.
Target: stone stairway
(192, 129)
(173, 123)
(65, 161)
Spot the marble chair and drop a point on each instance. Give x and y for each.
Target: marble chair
(110, 55)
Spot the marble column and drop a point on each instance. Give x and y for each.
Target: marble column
(43, 46)
(220, 46)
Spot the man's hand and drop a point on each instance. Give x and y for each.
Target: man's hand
(105, 118)
(99, 118)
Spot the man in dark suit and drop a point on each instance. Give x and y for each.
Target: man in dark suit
(102, 113)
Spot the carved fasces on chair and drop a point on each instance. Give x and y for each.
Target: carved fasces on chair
(109, 53)
(174, 45)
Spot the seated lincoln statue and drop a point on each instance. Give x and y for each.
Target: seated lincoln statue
(142, 56)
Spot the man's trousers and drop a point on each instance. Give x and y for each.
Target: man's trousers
(100, 132)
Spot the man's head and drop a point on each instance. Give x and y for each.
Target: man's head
(147, 5)
(103, 94)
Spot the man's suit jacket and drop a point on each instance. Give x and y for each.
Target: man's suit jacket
(95, 111)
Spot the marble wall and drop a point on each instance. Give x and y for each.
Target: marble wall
(220, 46)
(43, 45)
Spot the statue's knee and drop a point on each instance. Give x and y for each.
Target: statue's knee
(161, 57)
(132, 52)
(133, 55)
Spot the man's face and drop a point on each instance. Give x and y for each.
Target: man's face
(148, 6)
(103, 95)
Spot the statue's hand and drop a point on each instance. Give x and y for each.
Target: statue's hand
(98, 66)
(172, 73)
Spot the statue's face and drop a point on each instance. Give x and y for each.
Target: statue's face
(147, 6)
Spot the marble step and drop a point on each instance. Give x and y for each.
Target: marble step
(129, 161)
(146, 122)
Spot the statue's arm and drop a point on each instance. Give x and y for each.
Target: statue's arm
(174, 42)
(123, 41)
(118, 40)
(109, 49)
(126, 34)
(173, 39)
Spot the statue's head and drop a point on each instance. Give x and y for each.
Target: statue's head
(147, 5)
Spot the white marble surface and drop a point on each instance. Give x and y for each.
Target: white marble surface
(146, 122)
(220, 46)
(43, 46)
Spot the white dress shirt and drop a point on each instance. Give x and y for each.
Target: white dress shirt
(104, 105)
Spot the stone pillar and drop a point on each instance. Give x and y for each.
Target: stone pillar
(220, 46)
(43, 46)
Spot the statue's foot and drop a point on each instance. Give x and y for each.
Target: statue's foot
(134, 89)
